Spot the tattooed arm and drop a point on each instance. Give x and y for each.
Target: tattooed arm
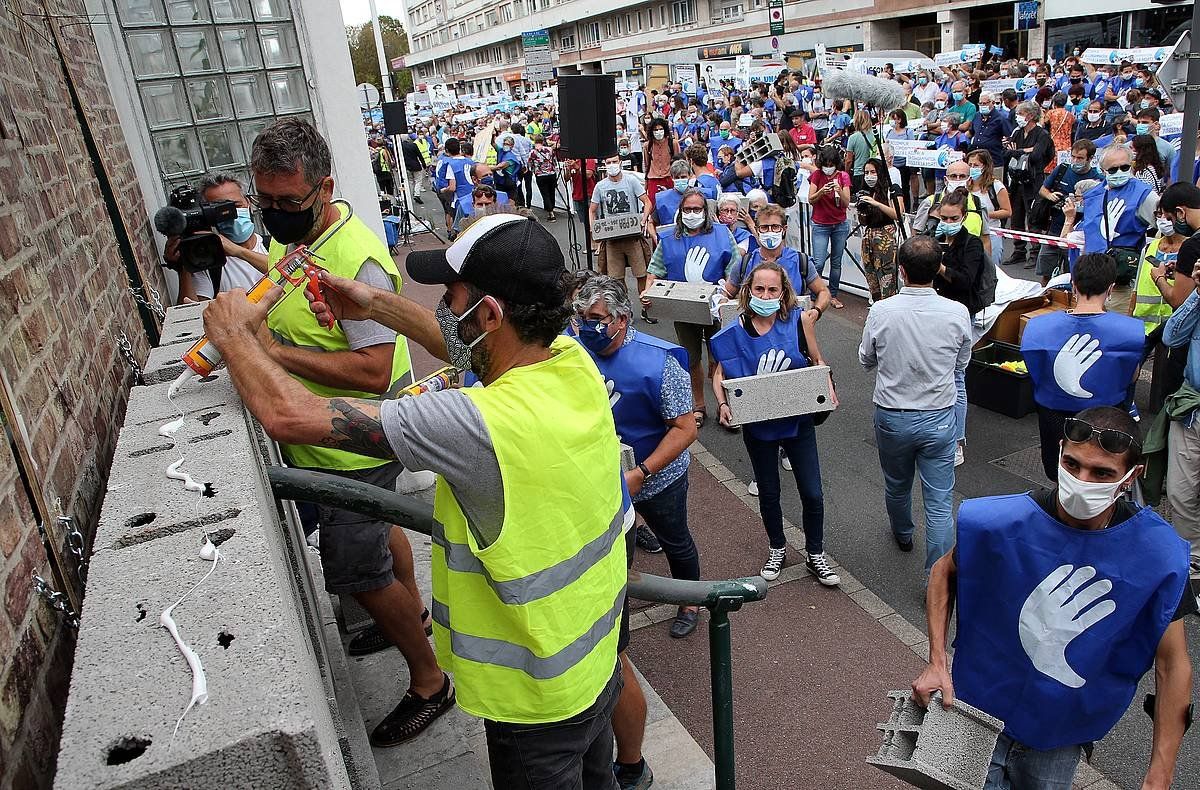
(288, 412)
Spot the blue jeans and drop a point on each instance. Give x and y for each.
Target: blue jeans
(1017, 767)
(806, 468)
(918, 441)
(666, 516)
(960, 404)
(829, 241)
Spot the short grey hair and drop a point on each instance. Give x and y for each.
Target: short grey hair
(681, 169)
(610, 290)
(291, 145)
(1031, 109)
(986, 95)
(1111, 150)
(953, 118)
(216, 178)
(726, 198)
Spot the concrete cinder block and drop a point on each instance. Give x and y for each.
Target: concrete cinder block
(938, 748)
(770, 396)
(617, 227)
(628, 460)
(766, 145)
(687, 303)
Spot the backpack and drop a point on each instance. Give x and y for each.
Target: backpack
(376, 165)
(983, 290)
(785, 184)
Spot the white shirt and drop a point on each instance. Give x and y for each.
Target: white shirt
(236, 273)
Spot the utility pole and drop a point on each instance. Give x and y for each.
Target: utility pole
(385, 71)
(1190, 91)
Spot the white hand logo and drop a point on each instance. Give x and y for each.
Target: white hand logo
(1073, 360)
(1051, 619)
(694, 263)
(774, 361)
(1115, 209)
(613, 394)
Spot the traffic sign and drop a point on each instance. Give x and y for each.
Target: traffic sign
(775, 10)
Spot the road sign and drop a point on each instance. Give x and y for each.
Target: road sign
(775, 14)
(539, 62)
(368, 95)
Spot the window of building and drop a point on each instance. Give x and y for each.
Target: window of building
(1159, 27)
(730, 13)
(566, 41)
(491, 19)
(608, 29)
(1095, 30)
(683, 12)
(589, 34)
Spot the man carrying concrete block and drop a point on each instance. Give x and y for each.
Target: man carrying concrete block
(619, 195)
(1065, 599)
(362, 557)
(528, 551)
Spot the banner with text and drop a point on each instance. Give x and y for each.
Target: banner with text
(936, 159)
(685, 74)
(964, 55)
(1099, 55)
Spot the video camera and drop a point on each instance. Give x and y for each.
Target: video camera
(193, 221)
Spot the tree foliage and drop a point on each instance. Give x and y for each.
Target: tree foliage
(361, 40)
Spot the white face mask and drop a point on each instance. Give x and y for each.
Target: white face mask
(1022, 120)
(1086, 500)
(613, 168)
(659, 134)
(956, 182)
(771, 240)
(1093, 117)
(870, 180)
(828, 170)
(692, 221)
(1166, 227)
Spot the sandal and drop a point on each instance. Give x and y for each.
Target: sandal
(371, 639)
(701, 415)
(837, 304)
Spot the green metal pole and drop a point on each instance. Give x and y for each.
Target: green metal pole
(721, 667)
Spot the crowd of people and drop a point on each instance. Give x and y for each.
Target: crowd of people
(523, 537)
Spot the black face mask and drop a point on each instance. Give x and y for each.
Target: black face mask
(288, 227)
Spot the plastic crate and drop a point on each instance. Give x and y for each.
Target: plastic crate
(996, 389)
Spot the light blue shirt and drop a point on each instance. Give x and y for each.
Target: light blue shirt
(915, 341)
(1183, 328)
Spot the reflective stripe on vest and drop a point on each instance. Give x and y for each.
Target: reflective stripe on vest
(498, 652)
(1149, 304)
(343, 254)
(538, 584)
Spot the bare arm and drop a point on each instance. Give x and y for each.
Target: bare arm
(367, 369)
(1173, 686)
(681, 432)
(939, 605)
(820, 293)
(350, 299)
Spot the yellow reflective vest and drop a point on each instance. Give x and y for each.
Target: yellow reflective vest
(293, 324)
(1148, 302)
(528, 624)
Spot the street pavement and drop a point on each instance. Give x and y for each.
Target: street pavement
(811, 667)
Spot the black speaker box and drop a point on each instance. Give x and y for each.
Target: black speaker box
(587, 113)
(394, 119)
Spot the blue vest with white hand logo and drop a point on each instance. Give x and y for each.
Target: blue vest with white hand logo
(1131, 231)
(1057, 625)
(789, 260)
(741, 355)
(1078, 361)
(636, 371)
(666, 203)
(717, 241)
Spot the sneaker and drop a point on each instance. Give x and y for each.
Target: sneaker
(959, 456)
(752, 489)
(636, 778)
(646, 540)
(773, 565)
(905, 544)
(787, 463)
(412, 716)
(647, 318)
(685, 623)
(818, 565)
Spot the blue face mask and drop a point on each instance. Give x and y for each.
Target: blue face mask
(764, 307)
(1142, 128)
(948, 228)
(681, 184)
(976, 172)
(239, 228)
(593, 336)
(957, 96)
(1118, 179)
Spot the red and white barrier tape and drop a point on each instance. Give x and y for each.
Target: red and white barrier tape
(1036, 238)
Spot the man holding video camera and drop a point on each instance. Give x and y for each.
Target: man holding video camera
(245, 253)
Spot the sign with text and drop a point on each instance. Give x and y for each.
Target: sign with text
(538, 59)
(936, 159)
(1136, 55)
(905, 148)
(997, 87)
(441, 97)
(742, 74)
(775, 14)
(617, 226)
(1025, 15)
(875, 65)
(957, 56)
(685, 75)
(724, 50)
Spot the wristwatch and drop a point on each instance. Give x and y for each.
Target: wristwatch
(645, 471)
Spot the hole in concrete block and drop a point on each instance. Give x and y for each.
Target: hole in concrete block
(208, 417)
(225, 639)
(737, 393)
(150, 450)
(821, 399)
(140, 520)
(126, 541)
(209, 377)
(206, 436)
(221, 535)
(141, 608)
(208, 491)
(126, 748)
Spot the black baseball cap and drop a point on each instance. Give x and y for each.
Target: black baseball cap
(505, 255)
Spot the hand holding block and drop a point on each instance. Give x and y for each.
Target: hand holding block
(617, 226)
(772, 396)
(687, 303)
(766, 145)
(628, 461)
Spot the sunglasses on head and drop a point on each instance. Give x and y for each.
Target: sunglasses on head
(1117, 169)
(1110, 440)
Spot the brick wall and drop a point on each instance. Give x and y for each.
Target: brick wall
(64, 300)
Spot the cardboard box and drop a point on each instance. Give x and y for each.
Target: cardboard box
(1025, 318)
(1007, 328)
(771, 396)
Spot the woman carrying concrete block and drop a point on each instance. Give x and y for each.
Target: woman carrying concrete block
(772, 336)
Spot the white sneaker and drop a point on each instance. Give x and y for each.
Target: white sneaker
(752, 489)
(787, 464)
(959, 456)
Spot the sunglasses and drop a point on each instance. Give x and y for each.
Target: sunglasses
(1110, 440)
(1117, 169)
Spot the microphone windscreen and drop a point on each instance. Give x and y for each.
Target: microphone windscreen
(886, 95)
(170, 221)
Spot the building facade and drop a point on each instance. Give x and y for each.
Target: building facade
(476, 44)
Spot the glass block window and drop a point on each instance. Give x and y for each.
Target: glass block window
(211, 74)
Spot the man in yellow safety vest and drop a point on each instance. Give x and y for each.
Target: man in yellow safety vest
(528, 550)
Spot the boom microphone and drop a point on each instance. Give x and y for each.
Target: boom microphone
(886, 95)
(170, 221)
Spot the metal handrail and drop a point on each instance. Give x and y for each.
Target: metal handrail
(719, 597)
